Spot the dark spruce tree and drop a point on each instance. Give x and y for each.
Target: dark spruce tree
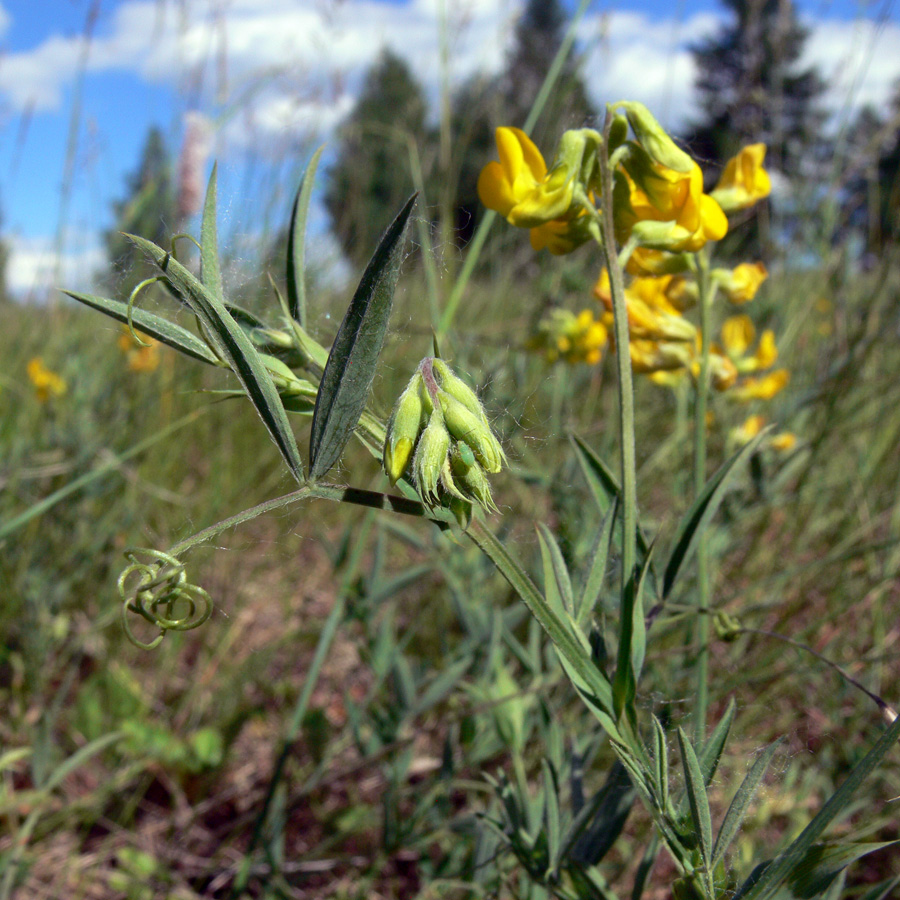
(371, 179)
(752, 88)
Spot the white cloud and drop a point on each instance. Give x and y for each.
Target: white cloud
(859, 61)
(34, 270)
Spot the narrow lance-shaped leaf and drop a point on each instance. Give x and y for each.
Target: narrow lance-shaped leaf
(156, 326)
(765, 881)
(702, 510)
(210, 272)
(354, 354)
(738, 808)
(296, 250)
(557, 583)
(235, 347)
(596, 575)
(696, 794)
(632, 639)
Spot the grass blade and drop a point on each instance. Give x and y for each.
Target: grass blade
(296, 250)
(236, 349)
(738, 808)
(156, 326)
(354, 354)
(696, 794)
(210, 272)
(702, 510)
(763, 883)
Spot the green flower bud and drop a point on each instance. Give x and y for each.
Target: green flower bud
(403, 429)
(467, 426)
(457, 388)
(473, 482)
(654, 139)
(431, 455)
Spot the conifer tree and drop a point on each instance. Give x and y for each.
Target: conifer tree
(752, 87)
(371, 179)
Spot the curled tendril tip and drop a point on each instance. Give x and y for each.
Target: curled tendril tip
(159, 592)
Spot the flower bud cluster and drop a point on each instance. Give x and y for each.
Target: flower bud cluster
(439, 435)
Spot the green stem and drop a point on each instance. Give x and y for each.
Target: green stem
(623, 366)
(701, 702)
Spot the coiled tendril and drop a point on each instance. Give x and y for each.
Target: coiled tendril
(162, 595)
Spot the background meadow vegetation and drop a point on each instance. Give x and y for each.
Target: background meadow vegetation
(233, 760)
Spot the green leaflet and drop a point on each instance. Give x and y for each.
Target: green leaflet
(296, 252)
(354, 354)
(156, 326)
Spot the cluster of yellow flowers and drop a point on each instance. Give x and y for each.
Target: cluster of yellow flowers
(561, 335)
(663, 218)
(141, 353)
(46, 383)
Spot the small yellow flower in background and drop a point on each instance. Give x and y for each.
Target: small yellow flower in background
(46, 383)
(744, 181)
(764, 388)
(574, 339)
(738, 334)
(741, 283)
(784, 442)
(140, 357)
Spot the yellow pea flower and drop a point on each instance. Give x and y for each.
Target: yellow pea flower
(744, 180)
(667, 210)
(741, 283)
(46, 383)
(764, 388)
(519, 186)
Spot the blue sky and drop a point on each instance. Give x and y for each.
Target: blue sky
(272, 78)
